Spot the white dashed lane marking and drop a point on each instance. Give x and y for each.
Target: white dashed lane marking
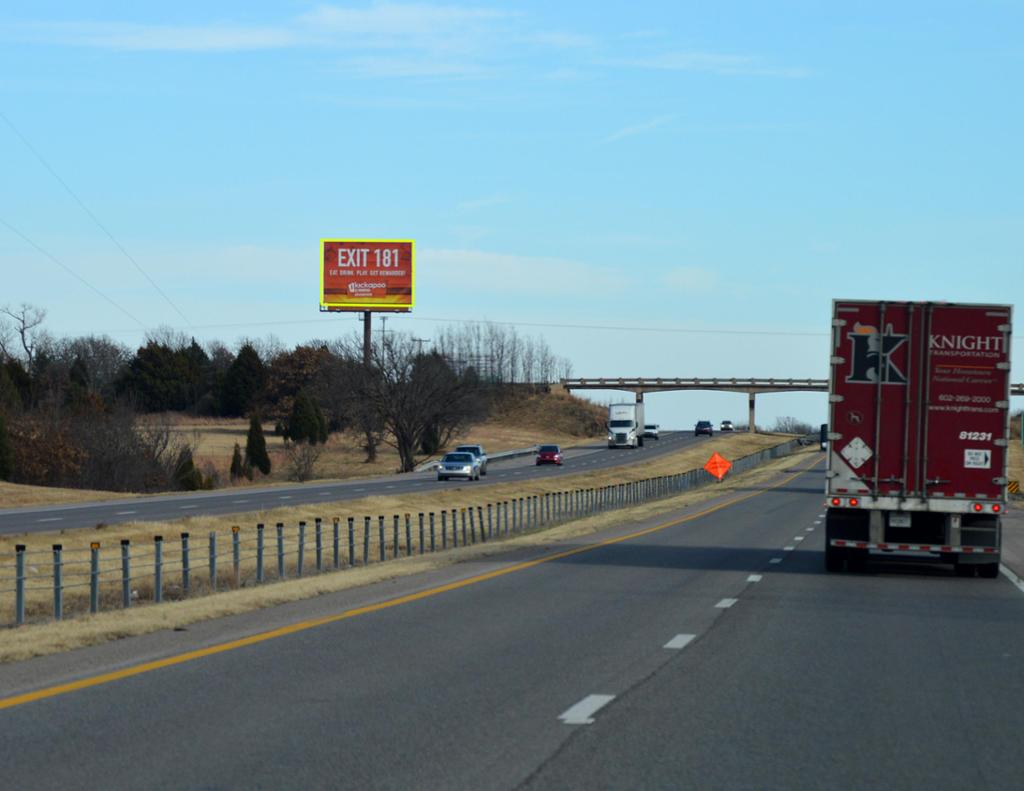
(775, 560)
(754, 578)
(725, 604)
(583, 712)
(123, 513)
(798, 538)
(680, 641)
(187, 507)
(788, 549)
(50, 519)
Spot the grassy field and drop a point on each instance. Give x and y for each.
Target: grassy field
(86, 630)
(551, 418)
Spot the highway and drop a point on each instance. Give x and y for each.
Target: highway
(249, 499)
(702, 649)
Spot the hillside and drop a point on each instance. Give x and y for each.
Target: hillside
(518, 420)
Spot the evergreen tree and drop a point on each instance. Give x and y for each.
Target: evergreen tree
(6, 451)
(237, 465)
(244, 382)
(307, 422)
(256, 447)
(186, 476)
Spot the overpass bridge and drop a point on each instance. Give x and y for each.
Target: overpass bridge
(752, 387)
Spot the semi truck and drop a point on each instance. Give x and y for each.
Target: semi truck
(626, 425)
(918, 429)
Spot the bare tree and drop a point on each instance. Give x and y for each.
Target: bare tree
(18, 326)
(415, 396)
(302, 458)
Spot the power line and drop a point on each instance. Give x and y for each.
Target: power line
(610, 327)
(71, 272)
(94, 218)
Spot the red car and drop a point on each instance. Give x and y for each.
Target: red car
(549, 454)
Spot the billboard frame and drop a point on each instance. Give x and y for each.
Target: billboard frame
(374, 307)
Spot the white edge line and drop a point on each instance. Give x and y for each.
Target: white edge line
(1012, 577)
(581, 713)
(680, 641)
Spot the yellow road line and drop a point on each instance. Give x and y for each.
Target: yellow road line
(301, 626)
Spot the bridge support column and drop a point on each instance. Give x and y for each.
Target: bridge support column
(751, 426)
(639, 396)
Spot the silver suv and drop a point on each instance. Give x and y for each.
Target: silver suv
(459, 465)
(476, 450)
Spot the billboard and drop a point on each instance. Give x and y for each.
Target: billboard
(366, 274)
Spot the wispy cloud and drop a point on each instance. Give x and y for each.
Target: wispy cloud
(714, 63)
(480, 271)
(638, 129)
(217, 37)
(481, 203)
(690, 279)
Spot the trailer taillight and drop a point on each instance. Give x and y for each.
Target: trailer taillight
(854, 502)
(977, 507)
(836, 501)
(997, 508)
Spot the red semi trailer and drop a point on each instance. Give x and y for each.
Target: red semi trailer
(919, 399)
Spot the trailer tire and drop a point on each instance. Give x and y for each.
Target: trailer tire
(988, 571)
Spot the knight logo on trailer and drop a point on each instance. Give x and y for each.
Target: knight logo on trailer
(367, 275)
(871, 355)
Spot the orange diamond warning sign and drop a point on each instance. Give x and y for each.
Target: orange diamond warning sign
(718, 465)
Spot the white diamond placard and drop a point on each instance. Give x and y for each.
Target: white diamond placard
(856, 452)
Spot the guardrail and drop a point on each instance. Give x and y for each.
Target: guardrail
(64, 582)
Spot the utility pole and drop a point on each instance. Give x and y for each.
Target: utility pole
(421, 341)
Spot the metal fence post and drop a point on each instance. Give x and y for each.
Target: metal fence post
(236, 554)
(185, 580)
(480, 521)
(94, 577)
(380, 538)
(126, 574)
(490, 526)
(408, 535)
(19, 584)
(433, 546)
(351, 541)
(504, 506)
(337, 542)
(280, 550)
(421, 532)
(158, 567)
(366, 540)
(513, 514)
(213, 561)
(319, 543)
(58, 583)
(394, 536)
(444, 529)
(462, 515)
(301, 557)
(259, 553)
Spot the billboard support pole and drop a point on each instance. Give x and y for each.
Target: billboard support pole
(367, 325)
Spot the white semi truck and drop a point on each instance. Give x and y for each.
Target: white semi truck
(625, 425)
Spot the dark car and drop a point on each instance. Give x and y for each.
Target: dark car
(703, 427)
(549, 454)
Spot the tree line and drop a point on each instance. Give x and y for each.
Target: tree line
(84, 411)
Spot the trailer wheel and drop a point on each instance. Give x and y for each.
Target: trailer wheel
(833, 559)
(988, 570)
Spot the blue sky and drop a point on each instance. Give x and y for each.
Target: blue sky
(657, 166)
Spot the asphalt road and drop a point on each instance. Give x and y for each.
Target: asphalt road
(701, 655)
(249, 499)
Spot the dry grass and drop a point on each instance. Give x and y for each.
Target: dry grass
(14, 495)
(48, 638)
(1016, 462)
(342, 458)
